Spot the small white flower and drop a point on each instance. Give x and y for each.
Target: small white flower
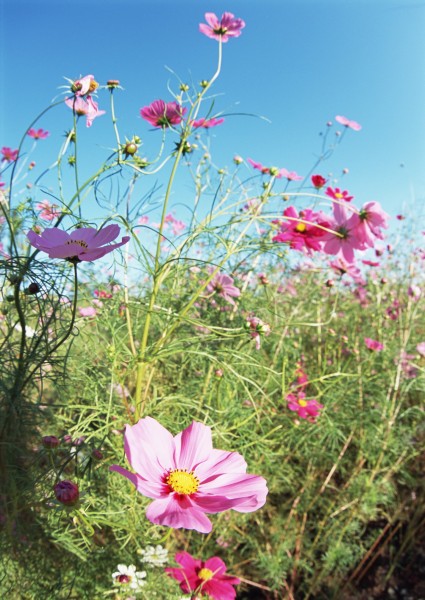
(128, 576)
(157, 555)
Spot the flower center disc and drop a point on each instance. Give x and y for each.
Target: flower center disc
(339, 196)
(205, 574)
(301, 227)
(79, 242)
(182, 482)
(302, 402)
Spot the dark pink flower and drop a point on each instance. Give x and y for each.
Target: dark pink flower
(186, 477)
(85, 107)
(9, 155)
(347, 123)
(222, 285)
(163, 114)
(264, 170)
(373, 345)
(224, 29)
(300, 230)
(318, 181)
(38, 134)
(67, 492)
(205, 577)
(84, 244)
(306, 409)
(207, 123)
(337, 194)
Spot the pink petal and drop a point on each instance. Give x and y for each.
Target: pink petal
(147, 488)
(221, 461)
(177, 514)
(193, 446)
(212, 20)
(96, 253)
(106, 234)
(149, 448)
(84, 234)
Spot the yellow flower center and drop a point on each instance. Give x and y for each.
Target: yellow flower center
(301, 227)
(205, 574)
(182, 482)
(79, 242)
(93, 86)
(302, 402)
(339, 195)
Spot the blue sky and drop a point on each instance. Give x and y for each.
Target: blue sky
(298, 62)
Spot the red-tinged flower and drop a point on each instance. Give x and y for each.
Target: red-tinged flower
(8, 154)
(347, 123)
(222, 285)
(373, 345)
(186, 477)
(301, 230)
(400, 217)
(38, 134)
(318, 181)
(85, 107)
(50, 441)
(163, 114)
(84, 244)
(264, 170)
(338, 194)
(207, 123)
(67, 492)
(207, 578)
(371, 263)
(83, 86)
(224, 29)
(290, 175)
(306, 409)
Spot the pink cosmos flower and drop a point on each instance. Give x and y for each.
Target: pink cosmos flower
(84, 244)
(9, 155)
(342, 267)
(207, 123)
(300, 230)
(222, 285)
(38, 134)
(162, 114)
(347, 123)
(84, 85)
(344, 241)
(49, 212)
(290, 175)
(318, 181)
(337, 194)
(264, 170)
(306, 409)
(421, 348)
(257, 328)
(368, 222)
(186, 477)
(222, 30)
(85, 107)
(206, 578)
(373, 345)
(87, 311)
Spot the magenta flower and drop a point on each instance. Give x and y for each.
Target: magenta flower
(300, 230)
(222, 285)
(186, 477)
(256, 165)
(8, 154)
(337, 194)
(84, 244)
(66, 492)
(306, 409)
(373, 345)
(342, 241)
(318, 181)
(206, 578)
(347, 123)
(222, 30)
(207, 123)
(38, 134)
(163, 114)
(85, 107)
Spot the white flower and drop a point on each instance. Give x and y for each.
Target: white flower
(128, 576)
(157, 555)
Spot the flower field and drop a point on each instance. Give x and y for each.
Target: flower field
(220, 397)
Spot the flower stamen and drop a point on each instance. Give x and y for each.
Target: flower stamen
(182, 482)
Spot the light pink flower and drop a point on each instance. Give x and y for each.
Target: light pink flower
(367, 224)
(290, 175)
(162, 114)
(222, 30)
(344, 241)
(87, 311)
(373, 345)
(342, 267)
(306, 409)
(222, 285)
(38, 134)
(49, 212)
(205, 577)
(84, 244)
(85, 107)
(337, 194)
(421, 348)
(300, 230)
(347, 123)
(84, 85)
(207, 123)
(8, 154)
(186, 477)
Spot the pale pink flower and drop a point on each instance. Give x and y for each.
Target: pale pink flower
(143, 220)
(207, 123)
(338, 194)
(367, 224)
(84, 244)
(203, 577)
(38, 134)
(8, 154)
(421, 348)
(224, 29)
(85, 107)
(222, 285)
(414, 292)
(342, 267)
(342, 241)
(305, 409)
(84, 85)
(264, 170)
(290, 175)
(186, 477)
(49, 212)
(87, 311)
(162, 114)
(347, 123)
(373, 345)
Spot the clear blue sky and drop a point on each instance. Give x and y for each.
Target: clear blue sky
(297, 62)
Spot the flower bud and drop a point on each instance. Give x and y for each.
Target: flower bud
(50, 441)
(330, 283)
(97, 454)
(112, 84)
(130, 148)
(204, 83)
(184, 87)
(66, 492)
(33, 288)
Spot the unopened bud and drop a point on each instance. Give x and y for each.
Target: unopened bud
(67, 492)
(33, 288)
(50, 441)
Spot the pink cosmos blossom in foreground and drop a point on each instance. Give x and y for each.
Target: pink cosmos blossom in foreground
(84, 85)
(84, 244)
(222, 285)
(85, 107)
(306, 409)
(163, 114)
(205, 577)
(337, 194)
(8, 154)
(207, 123)
(49, 212)
(300, 230)
(222, 30)
(373, 345)
(186, 477)
(347, 123)
(342, 241)
(38, 134)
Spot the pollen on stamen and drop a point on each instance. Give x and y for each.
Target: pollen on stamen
(79, 242)
(182, 482)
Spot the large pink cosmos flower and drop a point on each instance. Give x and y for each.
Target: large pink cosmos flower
(85, 107)
(347, 123)
(163, 114)
(300, 230)
(222, 285)
(84, 244)
(344, 241)
(206, 577)
(38, 134)
(186, 476)
(222, 30)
